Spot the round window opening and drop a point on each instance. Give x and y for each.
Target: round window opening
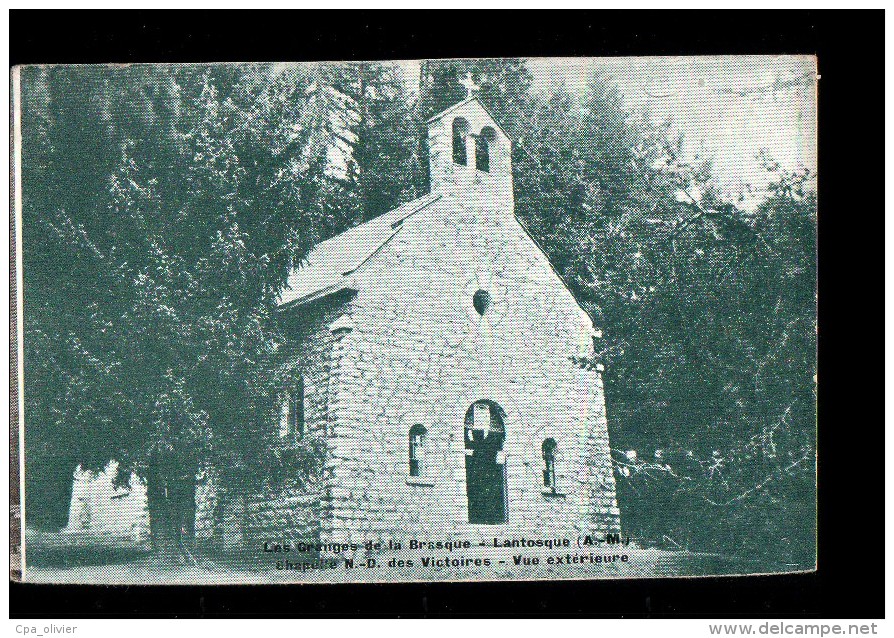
(481, 301)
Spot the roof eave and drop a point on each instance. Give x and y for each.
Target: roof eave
(450, 109)
(314, 296)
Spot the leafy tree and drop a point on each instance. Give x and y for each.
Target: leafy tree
(153, 266)
(75, 120)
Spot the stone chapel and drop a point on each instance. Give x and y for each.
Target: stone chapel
(450, 367)
(445, 366)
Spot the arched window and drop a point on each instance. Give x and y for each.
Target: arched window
(417, 449)
(483, 145)
(549, 463)
(460, 131)
(291, 422)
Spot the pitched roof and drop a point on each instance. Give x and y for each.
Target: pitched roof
(452, 108)
(330, 263)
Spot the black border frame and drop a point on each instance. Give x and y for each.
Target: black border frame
(849, 582)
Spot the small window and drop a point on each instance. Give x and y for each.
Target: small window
(460, 131)
(284, 407)
(291, 420)
(417, 449)
(481, 301)
(549, 463)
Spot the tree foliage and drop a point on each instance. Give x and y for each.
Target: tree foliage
(164, 208)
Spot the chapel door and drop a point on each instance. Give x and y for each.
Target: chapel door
(485, 467)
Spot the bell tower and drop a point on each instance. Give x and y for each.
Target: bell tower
(470, 156)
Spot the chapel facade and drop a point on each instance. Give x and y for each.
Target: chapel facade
(451, 369)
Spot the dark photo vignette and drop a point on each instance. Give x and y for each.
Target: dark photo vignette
(847, 582)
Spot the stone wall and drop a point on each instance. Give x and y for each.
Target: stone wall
(420, 353)
(100, 512)
(289, 514)
(299, 509)
(286, 510)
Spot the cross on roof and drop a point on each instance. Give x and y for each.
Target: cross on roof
(470, 85)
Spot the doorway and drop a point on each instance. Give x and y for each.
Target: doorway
(484, 433)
